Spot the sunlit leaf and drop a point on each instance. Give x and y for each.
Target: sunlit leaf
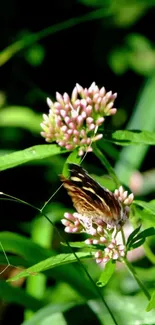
(106, 274)
(30, 154)
(151, 304)
(128, 137)
(148, 206)
(51, 262)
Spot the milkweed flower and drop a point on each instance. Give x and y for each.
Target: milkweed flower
(100, 233)
(74, 121)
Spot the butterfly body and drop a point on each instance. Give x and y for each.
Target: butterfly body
(90, 199)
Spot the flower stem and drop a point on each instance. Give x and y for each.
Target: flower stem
(133, 272)
(105, 163)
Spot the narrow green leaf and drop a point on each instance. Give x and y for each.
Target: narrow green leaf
(72, 158)
(149, 206)
(136, 244)
(140, 238)
(145, 233)
(151, 304)
(106, 274)
(33, 153)
(19, 296)
(128, 137)
(77, 244)
(50, 263)
(133, 234)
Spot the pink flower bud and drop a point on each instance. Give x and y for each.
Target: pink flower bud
(76, 140)
(58, 106)
(88, 110)
(95, 241)
(64, 128)
(91, 127)
(115, 256)
(81, 152)
(59, 98)
(49, 102)
(70, 131)
(102, 91)
(67, 119)
(72, 125)
(100, 120)
(88, 241)
(98, 254)
(69, 146)
(74, 94)
(66, 98)
(79, 88)
(113, 111)
(89, 120)
(99, 260)
(65, 222)
(103, 239)
(63, 113)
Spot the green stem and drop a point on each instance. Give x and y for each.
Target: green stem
(14, 48)
(133, 272)
(123, 236)
(106, 164)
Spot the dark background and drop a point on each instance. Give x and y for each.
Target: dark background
(82, 53)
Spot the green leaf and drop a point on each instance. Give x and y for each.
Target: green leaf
(47, 311)
(132, 235)
(151, 304)
(145, 233)
(33, 253)
(128, 137)
(72, 158)
(136, 244)
(140, 238)
(16, 295)
(77, 244)
(149, 206)
(106, 273)
(50, 263)
(16, 244)
(30, 154)
(20, 116)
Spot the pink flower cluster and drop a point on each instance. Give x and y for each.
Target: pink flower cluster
(73, 122)
(101, 234)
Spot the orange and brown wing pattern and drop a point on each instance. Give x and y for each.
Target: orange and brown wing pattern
(89, 198)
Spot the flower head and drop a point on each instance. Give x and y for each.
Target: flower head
(73, 121)
(100, 233)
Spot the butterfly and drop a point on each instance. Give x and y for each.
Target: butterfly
(90, 199)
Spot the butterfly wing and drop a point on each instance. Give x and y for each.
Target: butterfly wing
(89, 198)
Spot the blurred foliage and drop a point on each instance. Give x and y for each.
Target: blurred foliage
(45, 50)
